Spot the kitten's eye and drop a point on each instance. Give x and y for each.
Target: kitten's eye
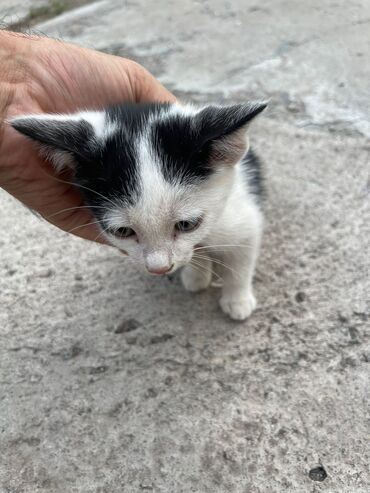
(186, 226)
(123, 232)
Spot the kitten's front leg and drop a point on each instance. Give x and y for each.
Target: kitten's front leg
(197, 276)
(237, 298)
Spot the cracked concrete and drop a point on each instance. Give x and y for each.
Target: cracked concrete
(116, 382)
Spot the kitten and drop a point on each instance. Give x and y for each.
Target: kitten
(171, 185)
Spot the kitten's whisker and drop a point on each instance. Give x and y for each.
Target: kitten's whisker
(76, 207)
(83, 225)
(219, 262)
(84, 187)
(223, 246)
(211, 271)
(198, 267)
(226, 266)
(101, 233)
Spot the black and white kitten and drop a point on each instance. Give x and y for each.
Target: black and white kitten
(171, 185)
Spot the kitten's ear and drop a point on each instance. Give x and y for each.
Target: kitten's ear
(63, 139)
(225, 130)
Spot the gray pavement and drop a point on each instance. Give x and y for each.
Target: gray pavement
(114, 382)
(12, 11)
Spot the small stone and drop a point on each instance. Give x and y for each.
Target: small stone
(32, 441)
(84, 410)
(342, 318)
(354, 335)
(348, 362)
(68, 312)
(293, 107)
(362, 315)
(151, 393)
(79, 286)
(95, 370)
(146, 486)
(226, 455)
(131, 340)
(162, 338)
(71, 352)
(317, 474)
(300, 296)
(127, 326)
(115, 410)
(366, 357)
(45, 273)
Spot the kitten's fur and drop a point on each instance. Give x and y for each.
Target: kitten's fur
(153, 166)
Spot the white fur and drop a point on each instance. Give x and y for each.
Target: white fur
(60, 159)
(103, 128)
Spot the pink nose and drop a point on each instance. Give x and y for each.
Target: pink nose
(159, 271)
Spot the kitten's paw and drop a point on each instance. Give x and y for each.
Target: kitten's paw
(238, 308)
(193, 280)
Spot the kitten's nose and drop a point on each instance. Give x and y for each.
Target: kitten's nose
(158, 263)
(159, 271)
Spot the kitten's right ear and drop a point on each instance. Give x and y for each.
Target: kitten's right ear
(63, 139)
(224, 129)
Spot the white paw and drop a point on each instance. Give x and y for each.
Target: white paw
(238, 308)
(193, 280)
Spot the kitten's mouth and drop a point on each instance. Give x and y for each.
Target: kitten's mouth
(162, 271)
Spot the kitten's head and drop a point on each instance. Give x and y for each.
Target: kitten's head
(156, 176)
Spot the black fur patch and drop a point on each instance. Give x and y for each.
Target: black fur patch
(182, 149)
(253, 169)
(111, 174)
(133, 117)
(185, 142)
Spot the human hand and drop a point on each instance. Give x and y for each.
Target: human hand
(41, 75)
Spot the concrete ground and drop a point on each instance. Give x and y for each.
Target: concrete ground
(119, 383)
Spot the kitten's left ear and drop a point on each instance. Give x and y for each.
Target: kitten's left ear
(225, 130)
(64, 139)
